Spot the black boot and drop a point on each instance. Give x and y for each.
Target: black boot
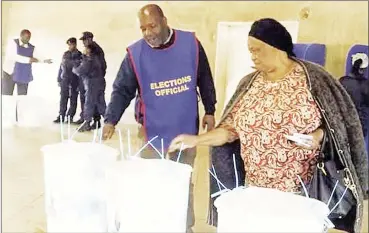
(58, 120)
(79, 122)
(86, 127)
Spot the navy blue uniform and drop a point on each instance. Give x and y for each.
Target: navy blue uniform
(101, 58)
(69, 83)
(91, 75)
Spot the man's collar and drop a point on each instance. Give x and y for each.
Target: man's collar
(169, 37)
(22, 44)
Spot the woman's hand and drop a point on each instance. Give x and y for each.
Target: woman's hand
(182, 142)
(315, 142)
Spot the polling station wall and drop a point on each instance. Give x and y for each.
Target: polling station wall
(336, 24)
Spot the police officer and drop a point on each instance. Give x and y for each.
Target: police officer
(92, 76)
(87, 38)
(68, 81)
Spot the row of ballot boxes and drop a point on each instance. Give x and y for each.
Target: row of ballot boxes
(88, 190)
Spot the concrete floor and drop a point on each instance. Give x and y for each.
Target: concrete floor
(22, 178)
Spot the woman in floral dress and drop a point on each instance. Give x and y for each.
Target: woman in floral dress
(284, 96)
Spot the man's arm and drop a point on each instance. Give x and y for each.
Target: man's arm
(103, 61)
(124, 90)
(83, 69)
(59, 79)
(101, 57)
(62, 66)
(38, 58)
(205, 82)
(11, 52)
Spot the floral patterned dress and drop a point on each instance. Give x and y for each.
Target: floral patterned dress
(262, 118)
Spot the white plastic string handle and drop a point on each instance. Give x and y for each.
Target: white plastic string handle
(101, 130)
(212, 166)
(219, 193)
(144, 146)
(162, 148)
(156, 150)
(334, 189)
(68, 127)
(129, 142)
(61, 128)
(95, 133)
(303, 186)
(121, 143)
(77, 130)
(235, 169)
(101, 135)
(335, 206)
(217, 180)
(179, 153)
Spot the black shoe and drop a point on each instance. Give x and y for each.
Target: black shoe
(96, 122)
(86, 127)
(79, 122)
(57, 120)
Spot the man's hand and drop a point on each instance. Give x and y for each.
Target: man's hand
(108, 131)
(33, 60)
(209, 122)
(48, 61)
(316, 142)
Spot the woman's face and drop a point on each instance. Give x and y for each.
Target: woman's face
(263, 55)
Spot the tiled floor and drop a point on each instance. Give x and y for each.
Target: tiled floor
(22, 178)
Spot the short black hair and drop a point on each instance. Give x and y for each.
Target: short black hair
(72, 40)
(25, 31)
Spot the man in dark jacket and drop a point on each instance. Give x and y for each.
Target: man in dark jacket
(87, 38)
(92, 77)
(68, 82)
(165, 67)
(357, 85)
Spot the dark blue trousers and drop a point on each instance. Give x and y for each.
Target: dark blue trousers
(68, 91)
(95, 104)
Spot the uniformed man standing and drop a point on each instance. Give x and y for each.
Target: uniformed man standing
(93, 80)
(87, 38)
(68, 81)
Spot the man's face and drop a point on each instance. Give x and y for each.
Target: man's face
(71, 46)
(25, 37)
(87, 41)
(153, 29)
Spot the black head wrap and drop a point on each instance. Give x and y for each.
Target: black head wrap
(273, 33)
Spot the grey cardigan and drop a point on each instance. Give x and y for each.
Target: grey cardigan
(341, 120)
